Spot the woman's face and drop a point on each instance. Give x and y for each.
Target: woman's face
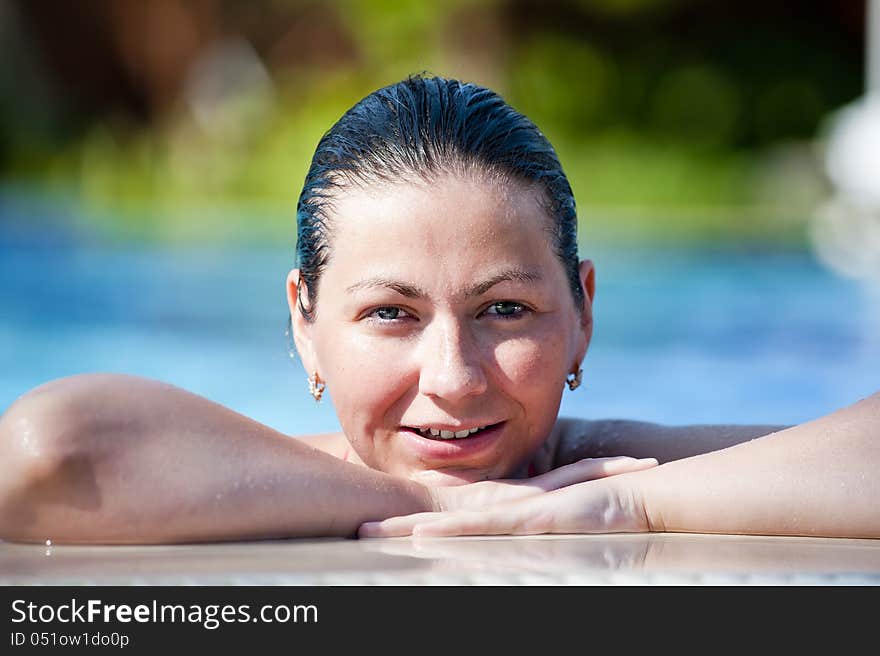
(443, 308)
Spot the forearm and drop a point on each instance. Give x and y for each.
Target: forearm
(819, 478)
(142, 462)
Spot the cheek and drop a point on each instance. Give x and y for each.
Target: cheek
(365, 378)
(532, 371)
(533, 362)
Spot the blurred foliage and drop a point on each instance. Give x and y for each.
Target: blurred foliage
(673, 118)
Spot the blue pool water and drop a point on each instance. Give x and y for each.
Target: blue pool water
(682, 336)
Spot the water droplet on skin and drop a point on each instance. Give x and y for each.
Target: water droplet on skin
(48, 543)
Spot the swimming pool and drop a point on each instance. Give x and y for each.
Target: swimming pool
(683, 335)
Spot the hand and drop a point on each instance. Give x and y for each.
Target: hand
(556, 502)
(479, 496)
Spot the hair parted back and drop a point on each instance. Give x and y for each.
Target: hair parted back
(418, 128)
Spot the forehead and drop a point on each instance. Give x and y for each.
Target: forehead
(456, 221)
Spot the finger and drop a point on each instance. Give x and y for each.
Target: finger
(470, 523)
(589, 469)
(394, 526)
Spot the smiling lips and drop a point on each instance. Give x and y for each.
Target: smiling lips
(443, 434)
(431, 446)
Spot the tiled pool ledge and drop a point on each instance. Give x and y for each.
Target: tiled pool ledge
(622, 559)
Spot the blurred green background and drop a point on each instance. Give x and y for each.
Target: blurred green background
(194, 121)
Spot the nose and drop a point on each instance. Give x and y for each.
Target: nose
(451, 362)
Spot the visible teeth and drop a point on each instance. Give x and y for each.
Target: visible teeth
(449, 435)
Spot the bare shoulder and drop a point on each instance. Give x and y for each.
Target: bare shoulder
(599, 438)
(118, 404)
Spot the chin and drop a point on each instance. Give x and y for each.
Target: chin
(450, 478)
(435, 478)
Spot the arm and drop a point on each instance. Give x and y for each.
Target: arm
(580, 438)
(817, 479)
(119, 459)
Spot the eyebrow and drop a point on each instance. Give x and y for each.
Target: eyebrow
(412, 291)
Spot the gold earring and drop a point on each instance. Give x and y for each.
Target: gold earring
(316, 386)
(574, 380)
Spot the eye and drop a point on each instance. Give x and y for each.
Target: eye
(507, 309)
(388, 313)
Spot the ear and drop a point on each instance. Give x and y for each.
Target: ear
(302, 329)
(587, 274)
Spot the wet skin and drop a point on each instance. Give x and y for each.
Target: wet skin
(443, 305)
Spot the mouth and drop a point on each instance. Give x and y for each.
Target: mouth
(447, 434)
(441, 446)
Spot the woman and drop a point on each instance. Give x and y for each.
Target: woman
(439, 296)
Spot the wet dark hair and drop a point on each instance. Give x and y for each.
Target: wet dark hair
(419, 128)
